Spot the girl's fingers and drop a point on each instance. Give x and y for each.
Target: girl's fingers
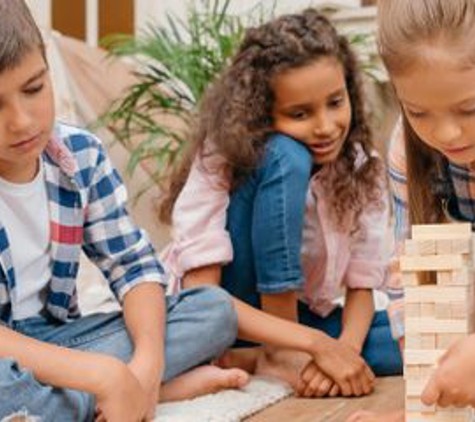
(357, 387)
(334, 391)
(319, 386)
(346, 389)
(313, 384)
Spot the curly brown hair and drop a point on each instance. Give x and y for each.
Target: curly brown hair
(235, 114)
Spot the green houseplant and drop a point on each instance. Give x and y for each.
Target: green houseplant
(176, 63)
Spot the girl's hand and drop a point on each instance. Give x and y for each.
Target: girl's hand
(365, 416)
(314, 383)
(344, 366)
(122, 398)
(451, 384)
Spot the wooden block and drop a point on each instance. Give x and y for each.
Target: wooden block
(444, 341)
(425, 371)
(410, 279)
(432, 262)
(412, 372)
(439, 416)
(428, 310)
(443, 247)
(436, 326)
(412, 310)
(419, 247)
(443, 310)
(413, 341)
(444, 278)
(459, 310)
(463, 245)
(436, 294)
(428, 341)
(422, 357)
(462, 277)
(414, 404)
(441, 231)
(414, 388)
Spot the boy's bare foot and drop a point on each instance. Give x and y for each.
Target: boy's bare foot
(202, 380)
(245, 359)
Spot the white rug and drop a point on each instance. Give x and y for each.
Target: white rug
(228, 405)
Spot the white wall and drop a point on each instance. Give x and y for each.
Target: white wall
(155, 10)
(41, 10)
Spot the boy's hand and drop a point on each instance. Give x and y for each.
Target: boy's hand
(121, 398)
(344, 366)
(314, 383)
(452, 381)
(149, 376)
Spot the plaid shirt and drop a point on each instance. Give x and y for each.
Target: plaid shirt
(87, 210)
(456, 187)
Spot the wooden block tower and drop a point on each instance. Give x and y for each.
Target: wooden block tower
(438, 274)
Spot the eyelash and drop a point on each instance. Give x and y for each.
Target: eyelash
(415, 115)
(337, 102)
(34, 89)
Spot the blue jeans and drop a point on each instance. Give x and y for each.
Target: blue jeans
(201, 324)
(265, 220)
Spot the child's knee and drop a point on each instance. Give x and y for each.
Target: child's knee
(293, 155)
(220, 314)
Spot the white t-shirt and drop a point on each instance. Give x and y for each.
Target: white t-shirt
(24, 213)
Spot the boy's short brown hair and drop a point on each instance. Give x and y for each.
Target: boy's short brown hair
(19, 34)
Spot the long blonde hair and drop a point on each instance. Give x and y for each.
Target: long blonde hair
(405, 28)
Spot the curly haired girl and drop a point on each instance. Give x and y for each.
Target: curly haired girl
(281, 198)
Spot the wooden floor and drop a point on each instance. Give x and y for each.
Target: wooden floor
(388, 396)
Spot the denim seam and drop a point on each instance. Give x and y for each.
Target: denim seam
(284, 208)
(280, 288)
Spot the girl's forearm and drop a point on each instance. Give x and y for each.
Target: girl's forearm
(58, 366)
(358, 314)
(260, 327)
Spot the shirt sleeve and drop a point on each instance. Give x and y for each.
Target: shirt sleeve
(369, 259)
(398, 187)
(199, 217)
(120, 249)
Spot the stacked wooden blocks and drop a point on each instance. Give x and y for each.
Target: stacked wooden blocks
(438, 274)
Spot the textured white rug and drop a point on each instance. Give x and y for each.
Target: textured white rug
(228, 405)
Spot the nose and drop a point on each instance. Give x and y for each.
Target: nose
(446, 131)
(18, 117)
(323, 125)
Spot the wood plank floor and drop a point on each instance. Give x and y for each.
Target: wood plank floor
(388, 396)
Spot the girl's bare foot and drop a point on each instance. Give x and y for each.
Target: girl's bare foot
(202, 380)
(285, 365)
(245, 359)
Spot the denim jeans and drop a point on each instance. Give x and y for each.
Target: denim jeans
(201, 324)
(265, 220)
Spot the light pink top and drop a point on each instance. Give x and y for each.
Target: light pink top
(331, 259)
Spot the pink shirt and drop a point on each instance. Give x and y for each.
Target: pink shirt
(331, 259)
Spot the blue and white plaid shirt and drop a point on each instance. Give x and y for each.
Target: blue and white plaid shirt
(87, 207)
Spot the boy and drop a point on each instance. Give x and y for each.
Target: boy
(58, 194)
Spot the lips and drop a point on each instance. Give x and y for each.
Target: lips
(27, 142)
(324, 147)
(457, 150)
